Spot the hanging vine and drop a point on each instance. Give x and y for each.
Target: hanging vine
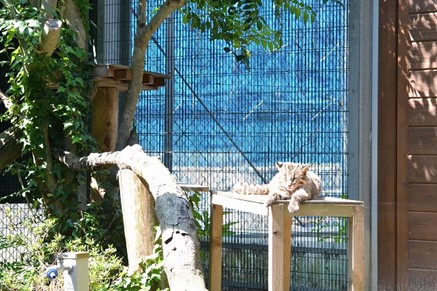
(48, 97)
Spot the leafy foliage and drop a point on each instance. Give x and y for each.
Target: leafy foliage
(106, 269)
(50, 104)
(240, 23)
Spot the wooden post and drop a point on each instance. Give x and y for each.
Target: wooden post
(276, 247)
(105, 118)
(138, 217)
(215, 250)
(287, 248)
(356, 249)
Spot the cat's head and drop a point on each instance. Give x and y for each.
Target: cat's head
(294, 175)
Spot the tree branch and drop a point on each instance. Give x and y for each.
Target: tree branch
(173, 211)
(142, 38)
(10, 149)
(50, 36)
(5, 99)
(74, 20)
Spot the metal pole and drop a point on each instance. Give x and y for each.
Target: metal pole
(169, 94)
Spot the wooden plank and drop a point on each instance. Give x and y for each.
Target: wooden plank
(158, 81)
(263, 198)
(422, 55)
(422, 226)
(247, 206)
(147, 79)
(387, 59)
(422, 83)
(422, 140)
(422, 197)
(105, 118)
(422, 254)
(422, 6)
(422, 280)
(423, 26)
(338, 210)
(403, 44)
(422, 112)
(422, 169)
(124, 74)
(215, 249)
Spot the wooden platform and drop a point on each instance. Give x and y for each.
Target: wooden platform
(118, 76)
(279, 243)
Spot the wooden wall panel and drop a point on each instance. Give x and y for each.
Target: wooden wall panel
(421, 254)
(423, 55)
(422, 280)
(422, 83)
(422, 197)
(422, 140)
(422, 112)
(421, 226)
(423, 26)
(415, 6)
(422, 169)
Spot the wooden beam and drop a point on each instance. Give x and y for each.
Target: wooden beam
(215, 250)
(105, 118)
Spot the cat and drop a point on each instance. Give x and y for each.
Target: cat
(293, 181)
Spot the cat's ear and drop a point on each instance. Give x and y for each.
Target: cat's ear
(305, 168)
(279, 165)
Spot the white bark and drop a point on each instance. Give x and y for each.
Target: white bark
(50, 36)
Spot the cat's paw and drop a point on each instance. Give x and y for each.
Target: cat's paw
(293, 207)
(272, 198)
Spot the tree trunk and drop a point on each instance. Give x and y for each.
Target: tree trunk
(10, 149)
(179, 240)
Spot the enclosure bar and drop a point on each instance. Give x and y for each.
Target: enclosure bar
(169, 94)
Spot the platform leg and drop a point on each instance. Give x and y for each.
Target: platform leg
(215, 255)
(356, 249)
(276, 248)
(287, 250)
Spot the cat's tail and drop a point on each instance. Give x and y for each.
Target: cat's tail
(250, 189)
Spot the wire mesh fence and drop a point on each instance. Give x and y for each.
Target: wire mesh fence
(221, 123)
(13, 222)
(217, 123)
